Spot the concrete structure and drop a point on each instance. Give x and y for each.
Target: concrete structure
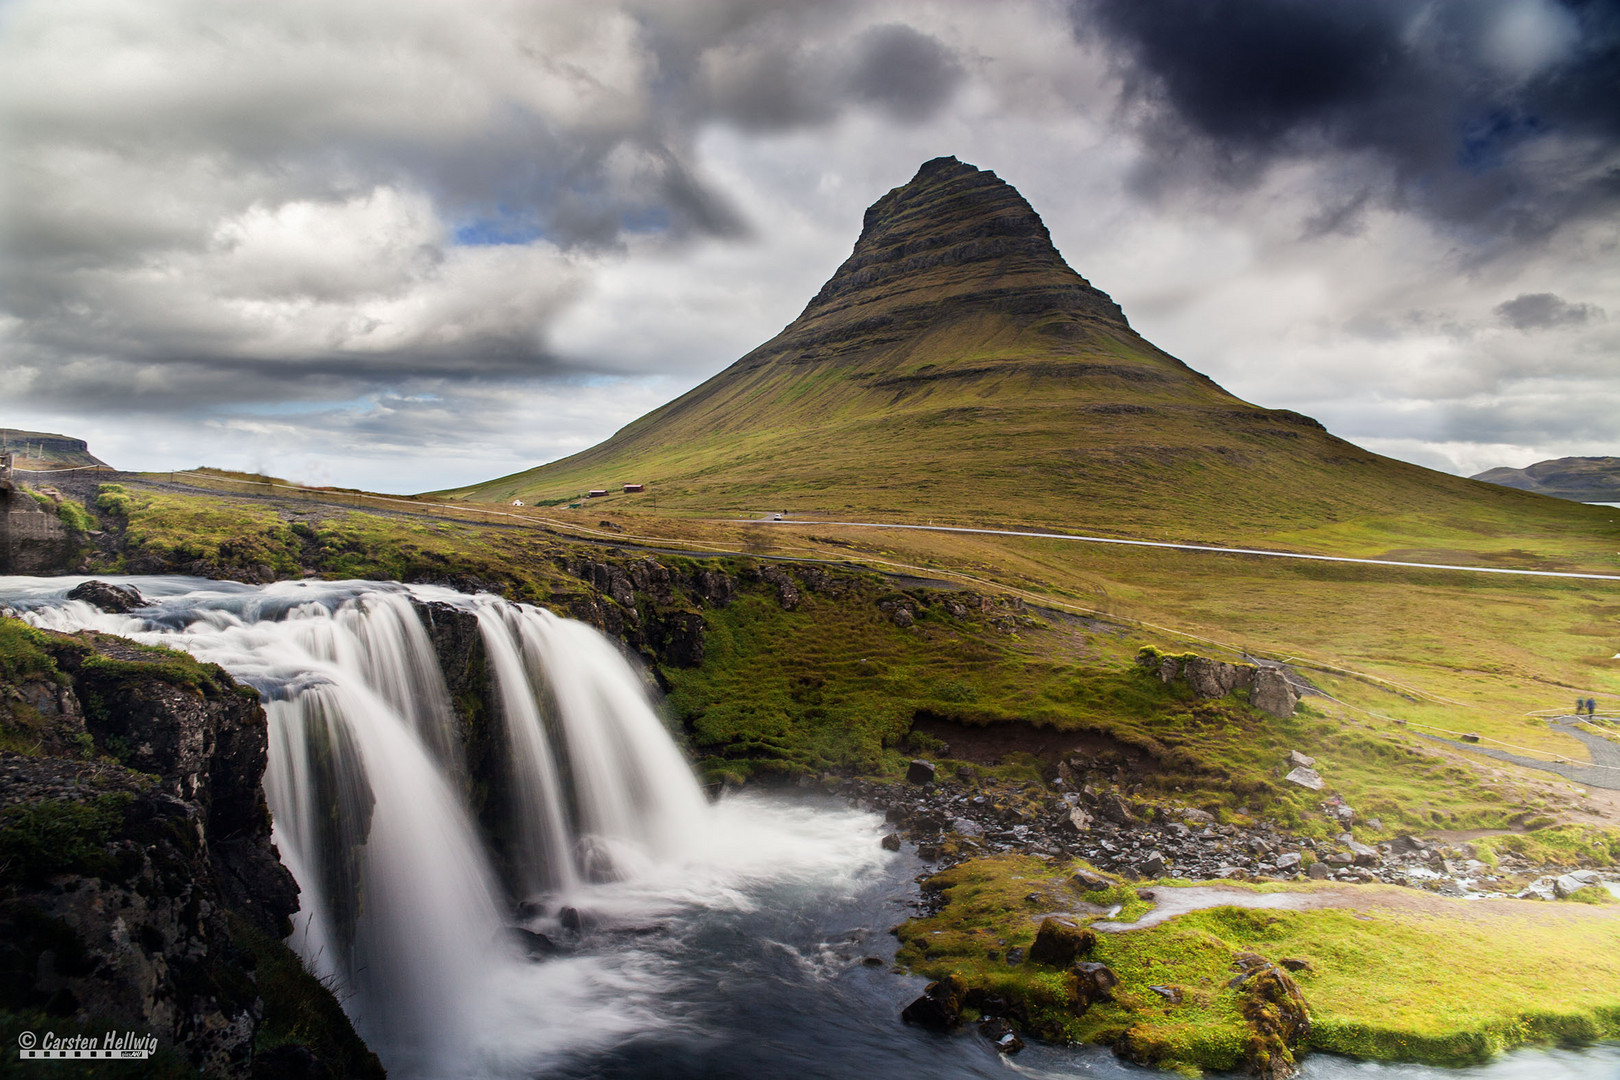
(30, 538)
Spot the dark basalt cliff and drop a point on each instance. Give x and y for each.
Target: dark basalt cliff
(141, 889)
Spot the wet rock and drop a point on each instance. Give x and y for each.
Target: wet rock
(920, 772)
(940, 1007)
(1305, 778)
(891, 842)
(113, 599)
(1001, 1034)
(1057, 944)
(533, 945)
(1094, 982)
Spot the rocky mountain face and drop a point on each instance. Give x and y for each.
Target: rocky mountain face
(1584, 479)
(141, 888)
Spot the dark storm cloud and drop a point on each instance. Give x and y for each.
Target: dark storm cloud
(1542, 311)
(1502, 115)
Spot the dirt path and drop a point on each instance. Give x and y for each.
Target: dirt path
(1603, 772)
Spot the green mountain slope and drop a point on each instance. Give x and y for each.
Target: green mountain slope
(955, 369)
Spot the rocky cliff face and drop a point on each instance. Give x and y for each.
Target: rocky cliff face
(32, 540)
(141, 887)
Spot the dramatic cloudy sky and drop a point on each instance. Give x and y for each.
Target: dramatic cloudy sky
(412, 243)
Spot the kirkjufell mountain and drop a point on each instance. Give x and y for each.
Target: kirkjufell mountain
(956, 369)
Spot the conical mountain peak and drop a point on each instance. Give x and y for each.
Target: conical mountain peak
(962, 230)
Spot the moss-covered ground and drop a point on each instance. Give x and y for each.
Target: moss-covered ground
(1399, 975)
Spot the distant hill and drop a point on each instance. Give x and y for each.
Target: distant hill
(1584, 479)
(44, 450)
(955, 369)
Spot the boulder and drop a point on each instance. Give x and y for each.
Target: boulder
(1094, 982)
(1154, 865)
(1111, 806)
(920, 772)
(1288, 860)
(1273, 693)
(113, 599)
(1057, 944)
(1197, 817)
(1364, 855)
(1567, 885)
(940, 1006)
(1305, 778)
(1295, 758)
(1318, 871)
(1076, 820)
(891, 842)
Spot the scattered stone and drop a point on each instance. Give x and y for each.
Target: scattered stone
(920, 772)
(1057, 944)
(1405, 845)
(1172, 994)
(1306, 778)
(1111, 806)
(1295, 758)
(1090, 881)
(940, 1007)
(1364, 855)
(1153, 866)
(1197, 817)
(1077, 820)
(1296, 965)
(891, 842)
(1318, 871)
(1288, 860)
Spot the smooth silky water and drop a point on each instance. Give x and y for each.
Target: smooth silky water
(742, 938)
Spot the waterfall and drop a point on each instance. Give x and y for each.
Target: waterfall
(406, 903)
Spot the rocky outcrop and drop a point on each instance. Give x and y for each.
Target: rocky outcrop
(1268, 687)
(147, 892)
(114, 599)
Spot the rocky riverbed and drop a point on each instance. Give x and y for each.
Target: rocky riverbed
(1086, 813)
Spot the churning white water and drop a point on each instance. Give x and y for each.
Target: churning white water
(407, 912)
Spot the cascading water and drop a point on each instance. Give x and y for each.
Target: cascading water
(403, 911)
